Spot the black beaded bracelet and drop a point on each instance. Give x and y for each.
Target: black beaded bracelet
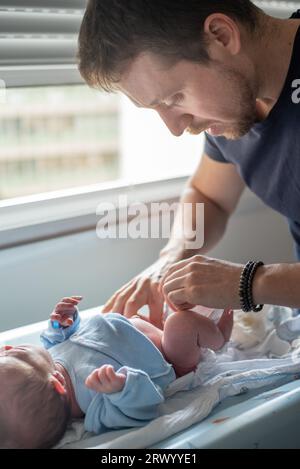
(254, 308)
(245, 287)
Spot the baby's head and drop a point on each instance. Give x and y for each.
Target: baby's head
(34, 409)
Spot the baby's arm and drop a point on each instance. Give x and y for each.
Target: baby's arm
(106, 380)
(134, 405)
(64, 311)
(64, 321)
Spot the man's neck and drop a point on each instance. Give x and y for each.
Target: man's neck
(273, 55)
(76, 412)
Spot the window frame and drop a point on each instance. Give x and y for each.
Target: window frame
(49, 215)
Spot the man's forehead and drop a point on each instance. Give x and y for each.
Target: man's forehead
(147, 80)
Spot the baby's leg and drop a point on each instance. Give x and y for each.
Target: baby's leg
(186, 332)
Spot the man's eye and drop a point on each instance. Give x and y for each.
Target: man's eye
(178, 98)
(174, 100)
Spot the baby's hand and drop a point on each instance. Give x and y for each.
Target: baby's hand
(64, 310)
(106, 380)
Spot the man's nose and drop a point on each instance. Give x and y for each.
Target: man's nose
(176, 123)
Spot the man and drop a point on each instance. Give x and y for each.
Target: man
(226, 68)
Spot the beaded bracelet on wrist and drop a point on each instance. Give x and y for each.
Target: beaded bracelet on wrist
(246, 287)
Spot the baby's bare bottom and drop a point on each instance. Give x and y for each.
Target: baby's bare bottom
(152, 332)
(184, 335)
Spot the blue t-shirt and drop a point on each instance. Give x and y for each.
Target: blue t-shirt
(268, 157)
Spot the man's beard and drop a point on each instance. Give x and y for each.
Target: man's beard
(245, 102)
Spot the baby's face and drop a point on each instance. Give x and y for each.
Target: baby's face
(23, 356)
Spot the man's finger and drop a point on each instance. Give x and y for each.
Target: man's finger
(174, 268)
(134, 303)
(156, 310)
(181, 307)
(179, 273)
(120, 302)
(108, 306)
(174, 284)
(177, 297)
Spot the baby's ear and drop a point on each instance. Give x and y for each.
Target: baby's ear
(58, 382)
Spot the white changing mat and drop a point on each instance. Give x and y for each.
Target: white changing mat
(250, 361)
(256, 357)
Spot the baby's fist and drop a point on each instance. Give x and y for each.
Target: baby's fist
(64, 310)
(106, 380)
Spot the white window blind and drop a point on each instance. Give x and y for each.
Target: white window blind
(38, 41)
(278, 8)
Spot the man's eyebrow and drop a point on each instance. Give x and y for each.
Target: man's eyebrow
(156, 101)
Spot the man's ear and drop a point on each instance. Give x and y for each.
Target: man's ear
(58, 382)
(224, 33)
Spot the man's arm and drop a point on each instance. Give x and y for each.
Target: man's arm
(219, 187)
(277, 284)
(215, 283)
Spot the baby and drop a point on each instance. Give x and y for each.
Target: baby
(110, 370)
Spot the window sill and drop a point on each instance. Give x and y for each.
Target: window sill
(30, 219)
(46, 216)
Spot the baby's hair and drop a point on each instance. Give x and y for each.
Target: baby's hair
(33, 414)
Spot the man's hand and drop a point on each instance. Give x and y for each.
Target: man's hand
(106, 380)
(142, 290)
(64, 310)
(202, 281)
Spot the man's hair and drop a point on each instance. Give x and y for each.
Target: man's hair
(114, 32)
(32, 415)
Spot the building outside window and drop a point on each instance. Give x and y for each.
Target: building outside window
(54, 138)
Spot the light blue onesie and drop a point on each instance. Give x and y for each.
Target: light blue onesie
(111, 339)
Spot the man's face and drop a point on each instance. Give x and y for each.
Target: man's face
(192, 97)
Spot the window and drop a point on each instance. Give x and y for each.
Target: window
(60, 137)
(66, 137)
(279, 8)
(54, 138)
